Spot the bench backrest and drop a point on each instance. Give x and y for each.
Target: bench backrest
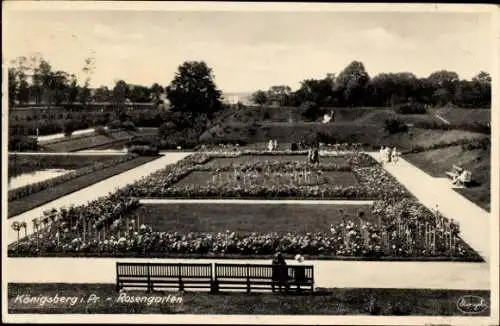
(164, 270)
(254, 271)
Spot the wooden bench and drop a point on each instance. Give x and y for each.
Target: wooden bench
(153, 276)
(252, 276)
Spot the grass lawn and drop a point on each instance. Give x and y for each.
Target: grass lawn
(339, 301)
(457, 115)
(437, 162)
(19, 164)
(39, 198)
(246, 218)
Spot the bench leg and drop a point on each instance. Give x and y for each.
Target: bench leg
(214, 287)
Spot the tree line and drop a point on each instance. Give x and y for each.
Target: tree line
(193, 96)
(354, 87)
(33, 80)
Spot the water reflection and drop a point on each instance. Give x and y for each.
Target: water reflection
(24, 179)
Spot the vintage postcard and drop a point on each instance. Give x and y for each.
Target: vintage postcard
(250, 163)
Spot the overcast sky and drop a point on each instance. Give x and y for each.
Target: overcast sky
(251, 50)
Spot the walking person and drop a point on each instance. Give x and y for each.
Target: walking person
(395, 155)
(275, 145)
(388, 154)
(382, 154)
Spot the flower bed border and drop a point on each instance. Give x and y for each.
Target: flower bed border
(30, 189)
(475, 259)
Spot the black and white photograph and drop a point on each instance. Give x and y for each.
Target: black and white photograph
(250, 163)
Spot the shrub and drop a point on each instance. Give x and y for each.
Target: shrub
(394, 126)
(129, 125)
(144, 150)
(312, 110)
(410, 108)
(101, 131)
(69, 127)
(115, 124)
(22, 143)
(483, 128)
(483, 144)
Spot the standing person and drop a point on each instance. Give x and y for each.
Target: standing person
(394, 154)
(270, 145)
(389, 154)
(382, 154)
(275, 145)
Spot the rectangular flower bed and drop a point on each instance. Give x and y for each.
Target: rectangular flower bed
(398, 230)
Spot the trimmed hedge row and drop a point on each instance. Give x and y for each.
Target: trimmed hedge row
(30, 189)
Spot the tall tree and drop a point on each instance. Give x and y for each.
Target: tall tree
(73, 89)
(88, 70)
(59, 87)
(259, 97)
(193, 90)
(482, 82)
(278, 94)
(139, 94)
(13, 86)
(444, 83)
(351, 84)
(156, 93)
(120, 92)
(102, 94)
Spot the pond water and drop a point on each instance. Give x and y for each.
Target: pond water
(34, 177)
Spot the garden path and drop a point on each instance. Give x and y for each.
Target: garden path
(90, 193)
(438, 192)
(327, 274)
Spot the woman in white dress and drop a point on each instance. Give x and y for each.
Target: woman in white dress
(395, 155)
(270, 145)
(382, 154)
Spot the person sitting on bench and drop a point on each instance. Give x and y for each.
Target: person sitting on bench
(462, 179)
(300, 272)
(280, 272)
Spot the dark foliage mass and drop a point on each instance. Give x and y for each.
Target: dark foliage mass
(404, 91)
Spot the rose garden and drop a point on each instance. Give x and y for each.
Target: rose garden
(381, 221)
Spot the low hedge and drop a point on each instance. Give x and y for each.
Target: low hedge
(466, 144)
(18, 193)
(407, 108)
(144, 150)
(478, 127)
